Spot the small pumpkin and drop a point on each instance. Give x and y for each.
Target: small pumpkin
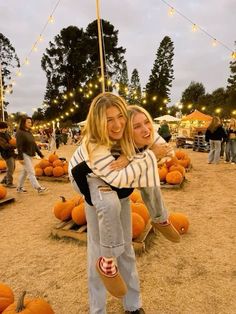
(179, 221)
(138, 225)
(6, 296)
(57, 163)
(12, 141)
(77, 199)
(44, 163)
(28, 306)
(179, 168)
(174, 177)
(171, 162)
(185, 162)
(3, 192)
(65, 167)
(135, 196)
(142, 210)
(38, 172)
(62, 210)
(58, 171)
(48, 171)
(162, 173)
(180, 154)
(78, 214)
(3, 165)
(53, 157)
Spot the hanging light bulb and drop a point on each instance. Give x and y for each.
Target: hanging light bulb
(40, 39)
(26, 61)
(214, 42)
(233, 55)
(194, 27)
(51, 19)
(171, 11)
(18, 73)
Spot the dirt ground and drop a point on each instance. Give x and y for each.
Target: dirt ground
(196, 276)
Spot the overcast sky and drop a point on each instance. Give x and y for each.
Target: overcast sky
(141, 24)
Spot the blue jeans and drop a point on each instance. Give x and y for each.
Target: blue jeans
(114, 239)
(8, 178)
(231, 150)
(28, 169)
(214, 154)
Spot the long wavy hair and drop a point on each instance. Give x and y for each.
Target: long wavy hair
(232, 124)
(95, 130)
(132, 110)
(215, 123)
(22, 122)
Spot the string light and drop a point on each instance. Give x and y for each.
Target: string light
(171, 11)
(214, 42)
(194, 27)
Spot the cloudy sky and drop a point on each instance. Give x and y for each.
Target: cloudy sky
(141, 24)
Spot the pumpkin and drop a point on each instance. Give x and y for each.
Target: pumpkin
(58, 171)
(185, 162)
(138, 225)
(162, 173)
(135, 196)
(53, 157)
(179, 221)
(65, 167)
(3, 192)
(77, 199)
(3, 165)
(142, 210)
(28, 306)
(6, 296)
(44, 163)
(12, 141)
(48, 171)
(78, 214)
(38, 172)
(62, 210)
(57, 163)
(174, 177)
(179, 154)
(171, 162)
(179, 168)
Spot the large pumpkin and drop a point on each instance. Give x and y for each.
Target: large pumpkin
(135, 196)
(77, 199)
(3, 165)
(78, 214)
(62, 210)
(180, 154)
(185, 162)
(6, 296)
(138, 225)
(57, 163)
(140, 209)
(53, 157)
(44, 163)
(48, 171)
(174, 177)
(38, 172)
(180, 222)
(3, 192)
(58, 171)
(162, 173)
(29, 306)
(171, 162)
(179, 168)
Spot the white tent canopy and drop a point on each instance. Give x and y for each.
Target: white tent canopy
(167, 117)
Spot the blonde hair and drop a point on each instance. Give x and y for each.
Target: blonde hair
(132, 110)
(95, 130)
(232, 123)
(215, 122)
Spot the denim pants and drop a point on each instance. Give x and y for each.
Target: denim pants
(114, 238)
(28, 169)
(231, 150)
(214, 154)
(8, 179)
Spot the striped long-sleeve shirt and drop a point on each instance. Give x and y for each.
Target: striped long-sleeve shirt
(140, 172)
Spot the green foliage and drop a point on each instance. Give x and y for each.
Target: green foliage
(160, 80)
(135, 94)
(191, 96)
(123, 81)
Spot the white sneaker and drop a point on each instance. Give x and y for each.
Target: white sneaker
(42, 190)
(21, 190)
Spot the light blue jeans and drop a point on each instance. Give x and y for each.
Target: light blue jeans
(28, 169)
(110, 234)
(231, 150)
(214, 154)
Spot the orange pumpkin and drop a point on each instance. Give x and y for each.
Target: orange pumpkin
(28, 306)
(58, 171)
(65, 167)
(185, 162)
(174, 177)
(142, 210)
(77, 199)
(3, 165)
(180, 154)
(78, 214)
(62, 210)
(38, 172)
(135, 197)
(138, 225)
(179, 168)
(53, 157)
(6, 296)
(57, 163)
(44, 163)
(48, 171)
(171, 162)
(162, 173)
(12, 141)
(180, 222)
(3, 192)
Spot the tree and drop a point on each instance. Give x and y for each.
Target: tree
(160, 80)
(123, 82)
(135, 94)
(231, 88)
(191, 95)
(9, 61)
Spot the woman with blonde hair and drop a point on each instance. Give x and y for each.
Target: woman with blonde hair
(231, 141)
(215, 134)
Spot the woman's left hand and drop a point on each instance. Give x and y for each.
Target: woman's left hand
(119, 163)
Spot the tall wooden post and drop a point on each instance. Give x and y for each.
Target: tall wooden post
(100, 46)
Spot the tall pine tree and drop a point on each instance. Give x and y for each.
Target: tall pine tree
(135, 88)
(231, 89)
(160, 80)
(123, 82)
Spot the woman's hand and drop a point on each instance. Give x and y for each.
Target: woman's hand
(119, 163)
(161, 150)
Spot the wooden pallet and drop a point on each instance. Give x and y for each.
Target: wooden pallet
(6, 200)
(64, 178)
(3, 170)
(70, 230)
(172, 186)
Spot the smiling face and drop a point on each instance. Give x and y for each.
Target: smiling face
(28, 124)
(142, 130)
(115, 123)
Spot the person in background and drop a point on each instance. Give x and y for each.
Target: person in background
(58, 137)
(223, 143)
(27, 148)
(215, 134)
(231, 142)
(164, 131)
(8, 154)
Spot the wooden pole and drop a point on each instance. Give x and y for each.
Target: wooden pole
(100, 46)
(1, 95)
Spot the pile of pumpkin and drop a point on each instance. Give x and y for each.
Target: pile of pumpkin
(3, 192)
(3, 165)
(173, 170)
(53, 166)
(8, 306)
